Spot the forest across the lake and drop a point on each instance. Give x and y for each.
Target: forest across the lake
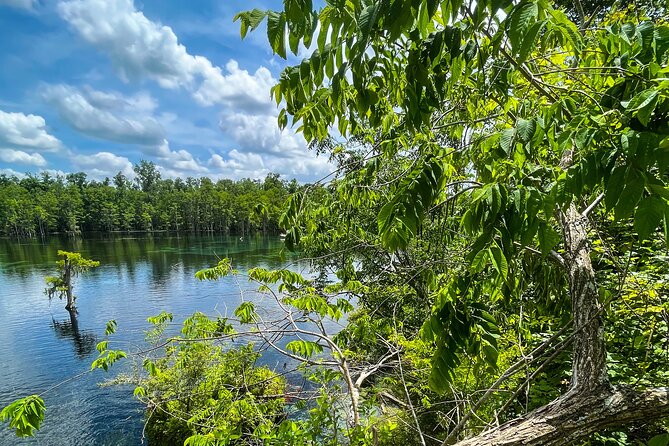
(38, 205)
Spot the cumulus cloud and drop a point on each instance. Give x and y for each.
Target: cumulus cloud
(20, 157)
(26, 131)
(103, 164)
(176, 160)
(237, 164)
(107, 115)
(21, 4)
(140, 48)
(264, 148)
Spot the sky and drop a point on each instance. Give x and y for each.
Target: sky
(98, 85)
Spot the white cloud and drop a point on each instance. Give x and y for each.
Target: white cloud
(264, 148)
(107, 115)
(20, 157)
(238, 164)
(238, 89)
(254, 132)
(27, 131)
(21, 4)
(12, 173)
(103, 164)
(140, 48)
(176, 160)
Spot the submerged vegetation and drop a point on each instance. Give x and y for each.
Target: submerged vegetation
(490, 255)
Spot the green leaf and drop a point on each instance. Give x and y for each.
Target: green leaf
(519, 22)
(246, 312)
(506, 140)
(648, 216)
(306, 349)
(631, 194)
(659, 440)
(499, 261)
(276, 32)
(25, 415)
(661, 41)
(249, 20)
(614, 186)
(529, 40)
(525, 129)
(490, 354)
(366, 22)
(643, 105)
(548, 238)
(111, 327)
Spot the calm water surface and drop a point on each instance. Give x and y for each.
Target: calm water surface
(139, 276)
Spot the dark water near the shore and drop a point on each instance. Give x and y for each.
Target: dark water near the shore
(139, 276)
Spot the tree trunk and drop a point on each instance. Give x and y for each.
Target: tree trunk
(67, 278)
(589, 355)
(575, 416)
(591, 404)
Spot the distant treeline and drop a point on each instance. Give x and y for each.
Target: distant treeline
(44, 204)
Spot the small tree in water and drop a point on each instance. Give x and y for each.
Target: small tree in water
(71, 264)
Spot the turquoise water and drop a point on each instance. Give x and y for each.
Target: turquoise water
(139, 276)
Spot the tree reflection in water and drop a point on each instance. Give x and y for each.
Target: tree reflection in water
(84, 342)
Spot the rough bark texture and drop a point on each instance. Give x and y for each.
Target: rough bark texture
(591, 404)
(575, 416)
(589, 355)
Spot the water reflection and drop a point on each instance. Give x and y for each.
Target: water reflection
(162, 252)
(42, 345)
(84, 341)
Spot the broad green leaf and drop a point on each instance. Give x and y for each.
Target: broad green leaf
(520, 20)
(249, 20)
(643, 105)
(305, 349)
(614, 186)
(631, 194)
(525, 129)
(529, 40)
(659, 440)
(25, 415)
(499, 261)
(548, 238)
(276, 32)
(366, 22)
(648, 216)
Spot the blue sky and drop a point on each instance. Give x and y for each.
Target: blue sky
(97, 85)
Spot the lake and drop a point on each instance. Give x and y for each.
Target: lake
(139, 276)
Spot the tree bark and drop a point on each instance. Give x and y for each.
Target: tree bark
(591, 404)
(575, 416)
(67, 278)
(589, 354)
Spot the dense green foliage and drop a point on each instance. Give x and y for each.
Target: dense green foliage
(472, 137)
(39, 205)
(501, 190)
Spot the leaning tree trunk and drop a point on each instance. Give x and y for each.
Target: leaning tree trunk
(591, 404)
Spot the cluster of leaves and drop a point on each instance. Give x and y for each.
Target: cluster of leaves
(471, 129)
(71, 265)
(200, 394)
(25, 415)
